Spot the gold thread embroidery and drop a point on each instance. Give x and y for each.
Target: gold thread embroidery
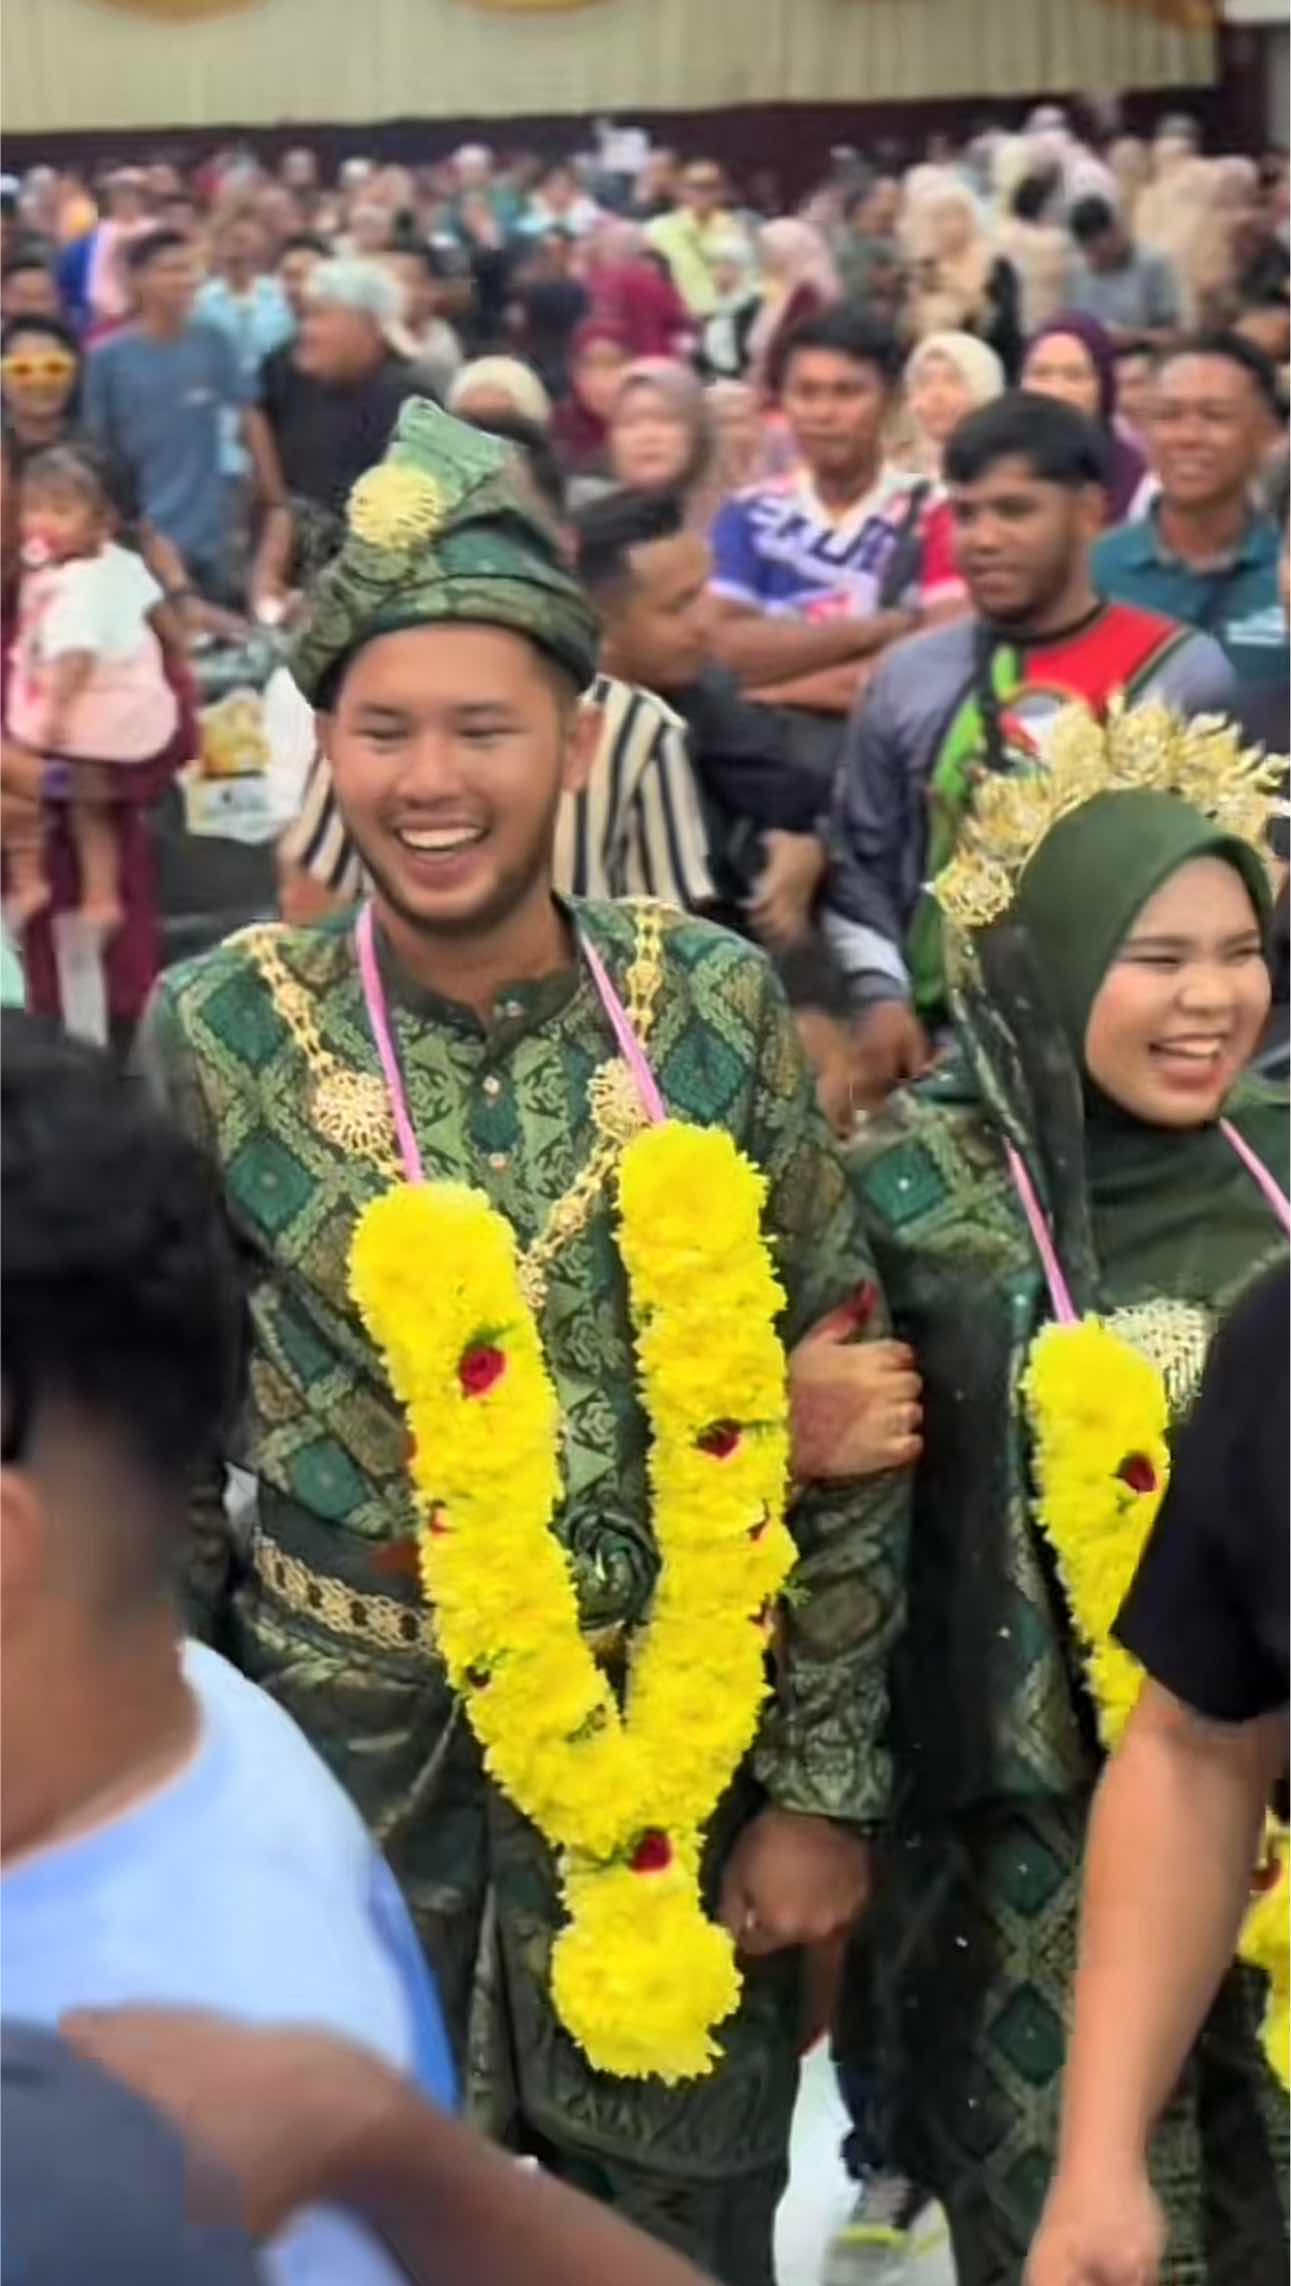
(1174, 1336)
(351, 1109)
(340, 1609)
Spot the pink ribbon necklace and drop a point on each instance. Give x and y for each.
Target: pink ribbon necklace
(1064, 1309)
(374, 996)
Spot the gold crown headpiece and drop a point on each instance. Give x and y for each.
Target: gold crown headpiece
(1145, 749)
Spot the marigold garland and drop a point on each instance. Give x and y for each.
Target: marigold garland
(640, 1977)
(1100, 1417)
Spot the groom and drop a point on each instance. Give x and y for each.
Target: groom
(445, 651)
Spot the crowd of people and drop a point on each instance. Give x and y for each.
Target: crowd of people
(899, 585)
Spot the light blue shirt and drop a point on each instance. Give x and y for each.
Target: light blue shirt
(247, 1884)
(256, 322)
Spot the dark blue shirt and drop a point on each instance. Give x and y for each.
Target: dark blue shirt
(1237, 602)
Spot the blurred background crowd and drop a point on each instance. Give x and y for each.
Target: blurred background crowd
(737, 414)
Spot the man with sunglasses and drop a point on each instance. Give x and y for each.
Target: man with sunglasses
(688, 237)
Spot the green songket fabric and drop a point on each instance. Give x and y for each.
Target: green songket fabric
(506, 1108)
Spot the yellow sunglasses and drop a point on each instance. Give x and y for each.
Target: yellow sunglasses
(56, 366)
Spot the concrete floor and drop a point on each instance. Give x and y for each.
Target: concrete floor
(820, 2196)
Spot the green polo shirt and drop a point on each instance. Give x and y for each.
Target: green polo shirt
(1236, 602)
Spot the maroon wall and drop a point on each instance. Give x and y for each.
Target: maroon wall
(791, 139)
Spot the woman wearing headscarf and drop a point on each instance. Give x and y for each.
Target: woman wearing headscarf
(798, 280)
(947, 376)
(662, 438)
(1074, 358)
(1093, 1151)
(599, 355)
(961, 281)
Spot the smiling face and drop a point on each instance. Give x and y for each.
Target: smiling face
(38, 375)
(1210, 430)
(1184, 1002)
(450, 748)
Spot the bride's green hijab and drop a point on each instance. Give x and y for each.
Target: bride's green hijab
(1174, 1211)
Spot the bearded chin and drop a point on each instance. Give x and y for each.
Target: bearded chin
(511, 890)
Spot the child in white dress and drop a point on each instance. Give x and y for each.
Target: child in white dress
(88, 681)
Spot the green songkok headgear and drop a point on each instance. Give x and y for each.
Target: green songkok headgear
(446, 527)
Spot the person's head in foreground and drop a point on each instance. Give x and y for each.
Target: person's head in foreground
(648, 577)
(120, 1337)
(1216, 413)
(1143, 909)
(1026, 481)
(351, 308)
(446, 649)
(947, 377)
(837, 376)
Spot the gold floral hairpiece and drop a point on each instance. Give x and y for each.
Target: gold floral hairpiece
(1146, 749)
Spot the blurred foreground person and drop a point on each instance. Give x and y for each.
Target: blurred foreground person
(297, 2117)
(1176, 1827)
(167, 1834)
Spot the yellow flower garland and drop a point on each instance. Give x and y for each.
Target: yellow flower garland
(1100, 1417)
(640, 1977)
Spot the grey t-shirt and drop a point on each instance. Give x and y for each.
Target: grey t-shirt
(1141, 297)
(164, 408)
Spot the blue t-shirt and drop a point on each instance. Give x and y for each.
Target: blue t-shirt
(163, 408)
(1236, 602)
(248, 1885)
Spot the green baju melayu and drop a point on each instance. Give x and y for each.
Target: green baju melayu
(972, 1947)
(318, 1599)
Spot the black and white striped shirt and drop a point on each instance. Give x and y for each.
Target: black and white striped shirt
(636, 830)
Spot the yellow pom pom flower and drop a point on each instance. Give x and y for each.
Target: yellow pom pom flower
(396, 507)
(640, 1976)
(1099, 1417)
